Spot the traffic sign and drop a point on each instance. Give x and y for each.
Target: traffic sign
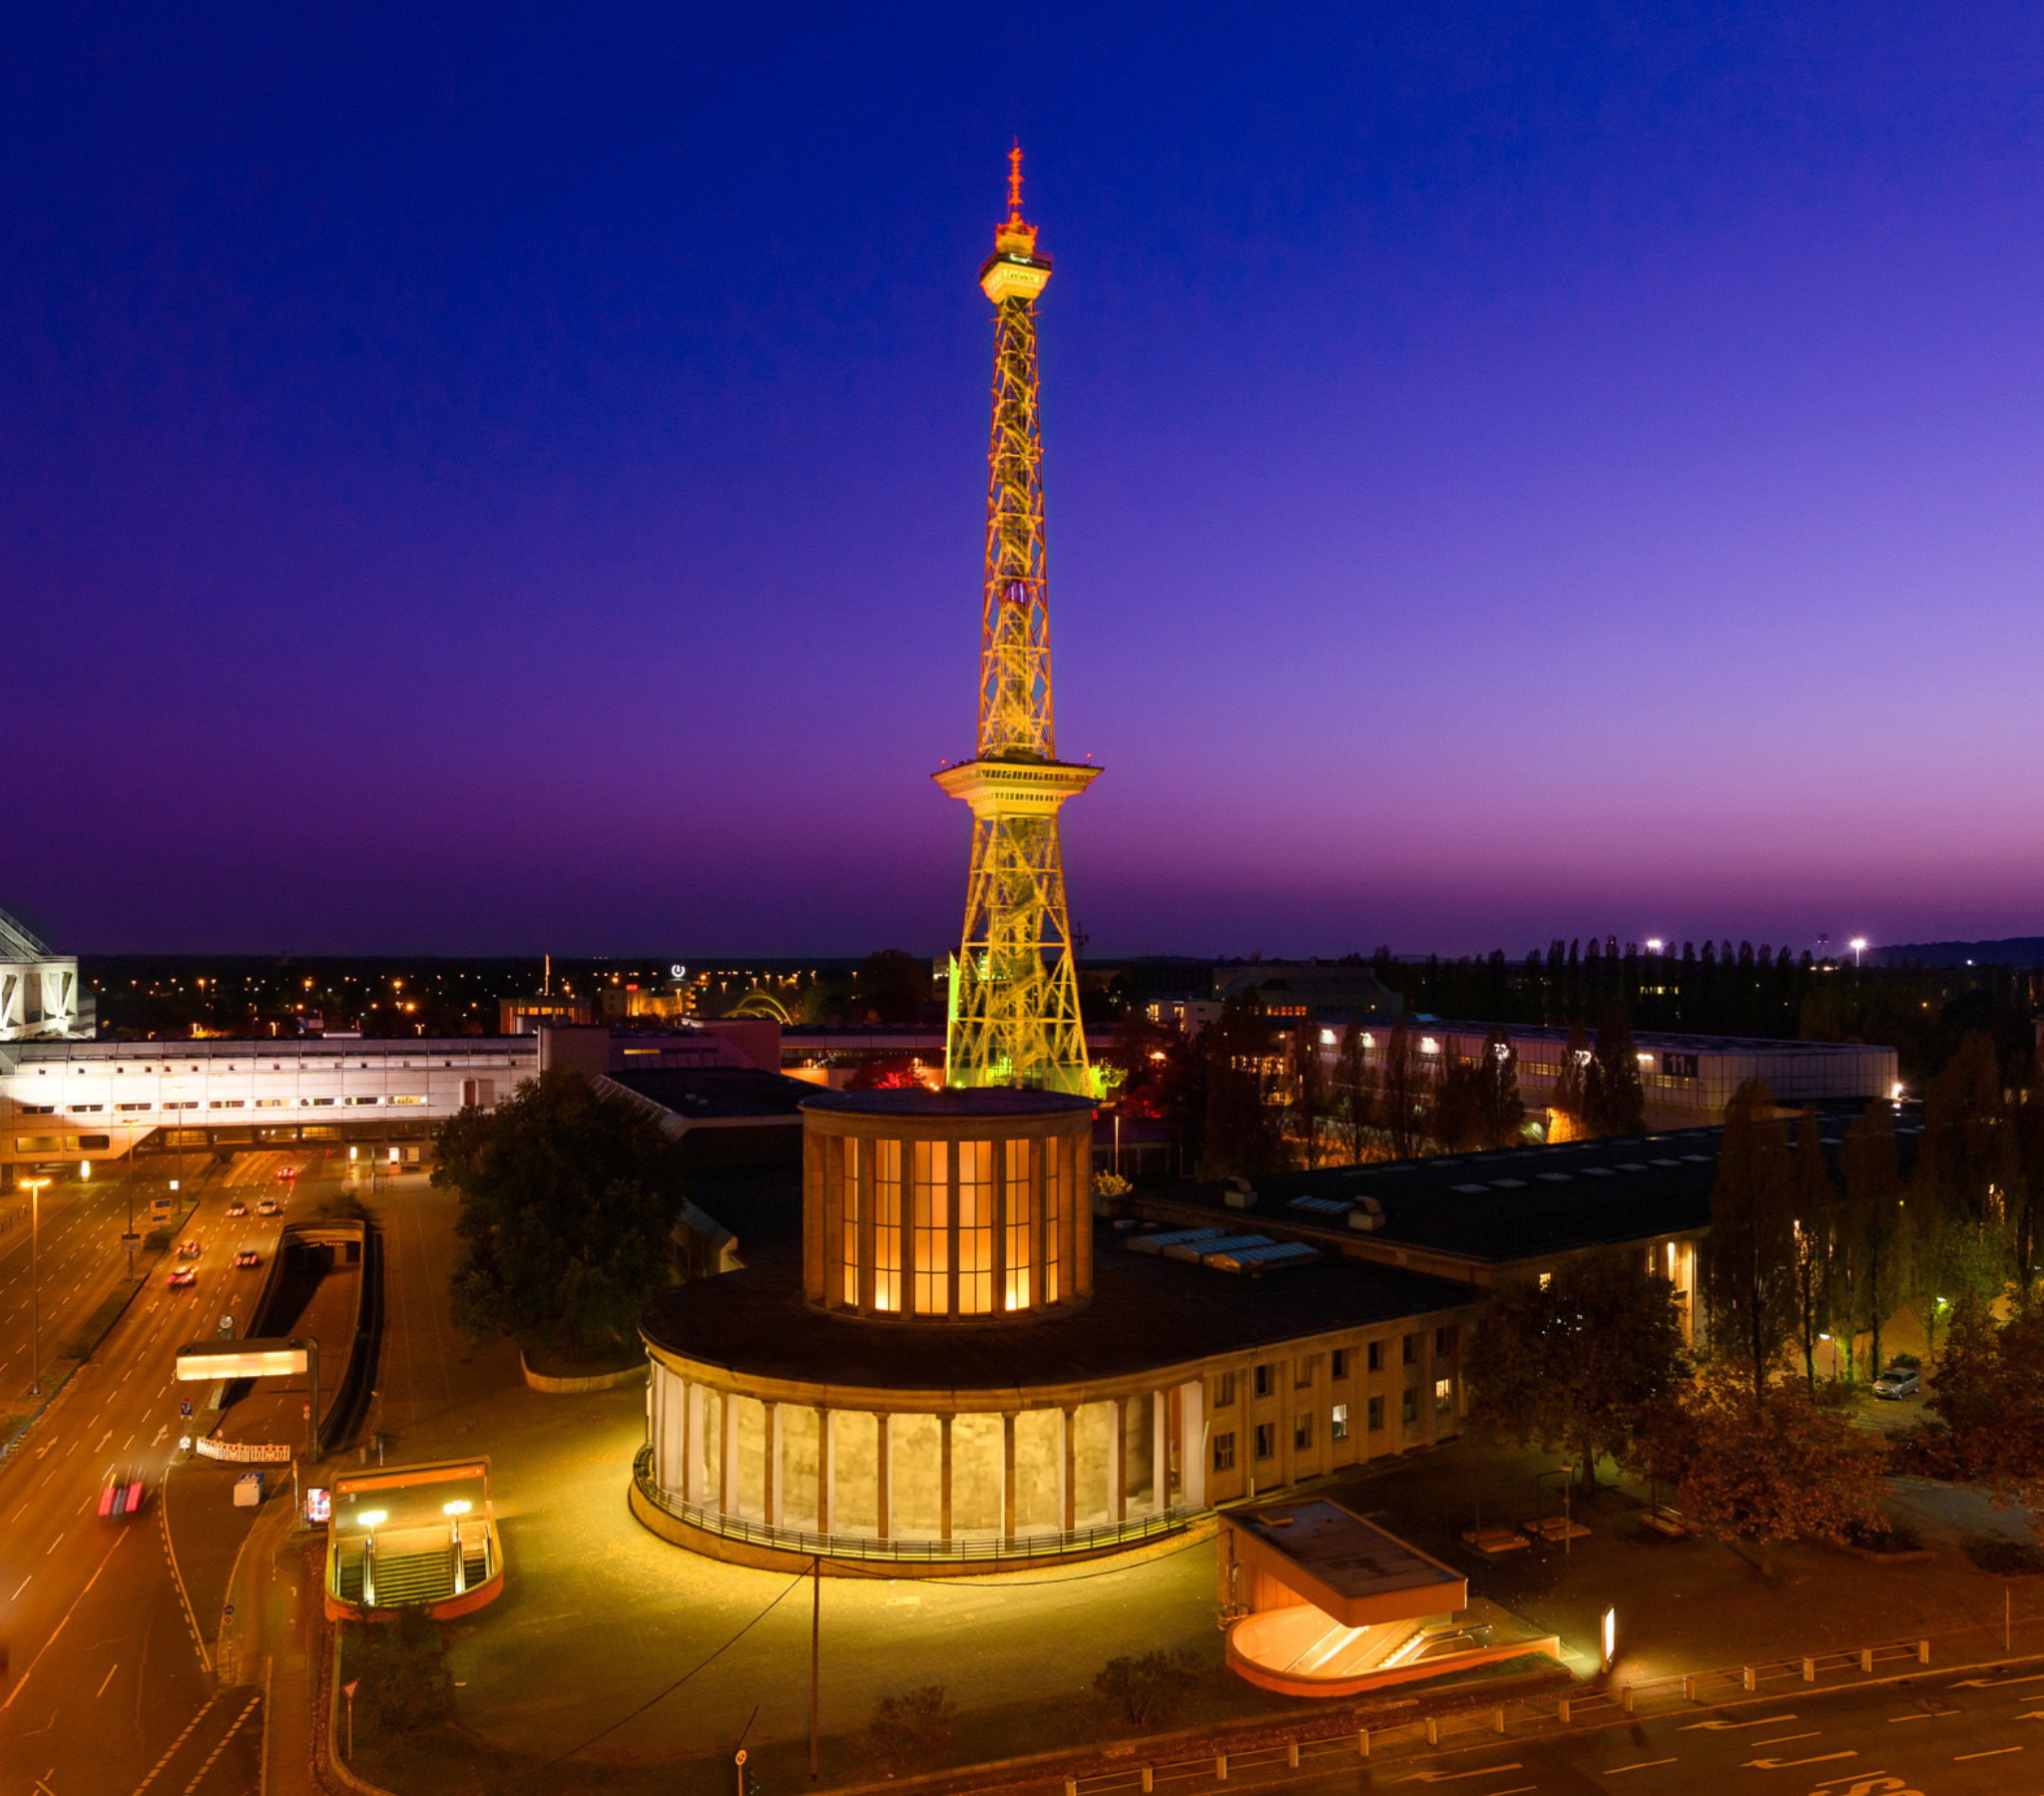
(184, 1407)
(128, 1241)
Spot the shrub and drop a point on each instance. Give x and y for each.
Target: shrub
(916, 1722)
(2005, 1558)
(403, 1668)
(1152, 1690)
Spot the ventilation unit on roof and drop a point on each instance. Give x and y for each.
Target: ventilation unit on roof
(1170, 1238)
(1367, 1217)
(1240, 1194)
(1226, 1243)
(1261, 1258)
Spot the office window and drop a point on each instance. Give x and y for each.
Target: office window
(1408, 1408)
(1376, 1415)
(1376, 1354)
(887, 1225)
(1267, 1440)
(1338, 1424)
(847, 1212)
(1224, 1452)
(1302, 1371)
(1445, 1340)
(1443, 1396)
(37, 1109)
(89, 1144)
(86, 1110)
(1263, 1381)
(133, 1107)
(1409, 1350)
(1021, 1226)
(1338, 1365)
(1223, 1389)
(1302, 1433)
(975, 1228)
(235, 1102)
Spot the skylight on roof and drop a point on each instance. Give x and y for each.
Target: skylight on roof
(1469, 1189)
(1599, 1173)
(1507, 1184)
(1555, 1177)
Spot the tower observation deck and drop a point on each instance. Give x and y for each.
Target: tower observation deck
(1014, 1002)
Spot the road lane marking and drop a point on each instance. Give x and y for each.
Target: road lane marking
(171, 1751)
(214, 1755)
(1926, 1715)
(24, 1585)
(1822, 1758)
(1761, 1721)
(1782, 1739)
(109, 1678)
(1453, 1776)
(1643, 1765)
(1996, 1753)
(21, 1683)
(1994, 1683)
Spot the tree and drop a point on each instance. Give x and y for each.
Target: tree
(1500, 1111)
(1751, 1277)
(1874, 1227)
(1241, 1136)
(1812, 1204)
(1573, 1366)
(1148, 1691)
(1570, 1091)
(1308, 1079)
(1613, 1104)
(1402, 1088)
(912, 1724)
(1456, 1123)
(1967, 1164)
(566, 1199)
(1353, 1091)
(1988, 1392)
(1766, 1469)
(890, 987)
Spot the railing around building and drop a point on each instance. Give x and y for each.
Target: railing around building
(1108, 1534)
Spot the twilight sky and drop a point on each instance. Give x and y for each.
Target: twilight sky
(484, 478)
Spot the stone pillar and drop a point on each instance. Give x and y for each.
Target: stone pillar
(726, 1460)
(943, 1477)
(770, 1487)
(884, 1471)
(1121, 1459)
(686, 1482)
(1160, 1450)
(1007, 1475)
(825, 1469)
(1068, 1503)
(1192, 1446)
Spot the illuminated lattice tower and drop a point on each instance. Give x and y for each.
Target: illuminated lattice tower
(1014, 1010)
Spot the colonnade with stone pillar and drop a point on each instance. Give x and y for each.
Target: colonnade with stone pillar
(969, 1475)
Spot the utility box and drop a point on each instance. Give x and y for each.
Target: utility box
(249, 1490)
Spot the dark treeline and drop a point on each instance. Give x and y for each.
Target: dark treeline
(1727, 988)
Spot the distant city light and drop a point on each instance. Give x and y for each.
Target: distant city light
(1654, 944)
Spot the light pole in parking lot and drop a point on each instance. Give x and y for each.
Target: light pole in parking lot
(34, 1188)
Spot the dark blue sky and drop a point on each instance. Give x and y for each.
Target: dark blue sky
(494, 479)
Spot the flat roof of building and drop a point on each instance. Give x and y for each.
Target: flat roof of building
(1657, 1041)
(1352, 1558)
(721, 1093)
(278, 1048)
(1146, 1311)
(1498, 1208)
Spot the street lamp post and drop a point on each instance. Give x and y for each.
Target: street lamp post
(34, 1188)
(1858, 947)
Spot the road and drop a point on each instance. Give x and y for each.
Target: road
(111, 1687)
(1961, 1732)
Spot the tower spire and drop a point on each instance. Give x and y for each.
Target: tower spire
(1014, 1012)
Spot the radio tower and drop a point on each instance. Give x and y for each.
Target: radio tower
(1014, 1009)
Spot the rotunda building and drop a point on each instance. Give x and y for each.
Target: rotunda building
(922, 1361)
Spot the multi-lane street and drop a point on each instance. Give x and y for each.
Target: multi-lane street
(108, 1626)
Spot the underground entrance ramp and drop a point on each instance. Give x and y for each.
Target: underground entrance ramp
(1328, 1604)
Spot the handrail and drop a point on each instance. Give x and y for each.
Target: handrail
(1010, 1547)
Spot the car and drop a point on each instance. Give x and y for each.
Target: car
(247, 1258)
(188, 1249)
(285, 1175)
(182, 1278)
(1898, 1381)
(120, 1495)
(269, 1207)
(237, 1209)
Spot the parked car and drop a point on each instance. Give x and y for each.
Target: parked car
(247, 1258)
(188, 1249)
(182, 1278)
(237, 1209)
(269, 1207)
(1898, 1381)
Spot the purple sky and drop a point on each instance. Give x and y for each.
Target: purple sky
(486, 478)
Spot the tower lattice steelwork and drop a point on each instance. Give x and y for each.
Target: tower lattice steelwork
(1014, 1016)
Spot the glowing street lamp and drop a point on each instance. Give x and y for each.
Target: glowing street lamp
(1858, 947)
(1654, 944)
(34, 1188)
